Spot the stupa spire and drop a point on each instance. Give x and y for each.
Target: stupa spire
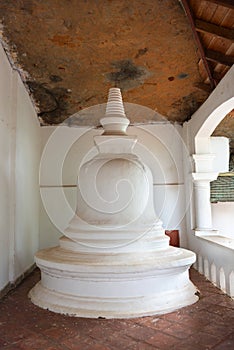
(115, 121)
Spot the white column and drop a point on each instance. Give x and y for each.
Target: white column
(202, 204)
(202, 178)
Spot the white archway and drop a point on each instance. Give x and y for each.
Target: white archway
(202, 138)
(210, 114)
(199, 129)
(215, 118)
(197, 135)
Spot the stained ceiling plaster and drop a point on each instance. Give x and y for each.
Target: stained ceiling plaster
(71, 52)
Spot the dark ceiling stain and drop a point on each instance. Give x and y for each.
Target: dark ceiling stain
(185, 107)
(27, 6)
(52, 102)
(127, 74)
(182, 75)
(55, 78)
(141, 52)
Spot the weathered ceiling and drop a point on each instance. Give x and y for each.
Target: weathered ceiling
(167, 55)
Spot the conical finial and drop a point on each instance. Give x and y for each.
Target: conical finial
(115, 121)
(114, 105)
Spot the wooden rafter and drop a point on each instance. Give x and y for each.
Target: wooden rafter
(206, 27)
(216, 56)
(191, 19)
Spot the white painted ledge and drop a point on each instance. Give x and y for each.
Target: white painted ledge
(214, 237)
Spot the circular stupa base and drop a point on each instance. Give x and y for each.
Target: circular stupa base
(114, 286)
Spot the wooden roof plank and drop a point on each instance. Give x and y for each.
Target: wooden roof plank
(222, 17)
(208, 11)
(225, 3)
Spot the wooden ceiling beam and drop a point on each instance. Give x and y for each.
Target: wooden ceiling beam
(189, 13)
(218, 75)
(216, 56)
(225, 3)
(206, 27)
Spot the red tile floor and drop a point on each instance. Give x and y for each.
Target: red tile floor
(208, 324)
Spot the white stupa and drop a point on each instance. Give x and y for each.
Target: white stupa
(114, 259)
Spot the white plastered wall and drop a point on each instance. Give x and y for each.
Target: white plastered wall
(223, 218)
(5, 145)
(64, 149)
(19, 160)
(220, 147)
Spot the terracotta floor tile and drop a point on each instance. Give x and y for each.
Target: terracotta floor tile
(36, 342)
(119, 342)
(74, 344)
(3, 343)
(217, 299)
(11, 347)
(97, 347)
(15, 333)
(195, 320)
(220, 310)
(221, 329)
(227, 344)
(101, 332)
(140, 332)
(156, 323)
(204, 340)
(229, 303)
(60, 332)
(139, 346)
(54, 347)
(207, 324)
(163, 341)
(78, 343)
(188, 346)
(173, 316)
(179, 331)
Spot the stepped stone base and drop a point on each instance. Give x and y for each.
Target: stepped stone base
(114, 286)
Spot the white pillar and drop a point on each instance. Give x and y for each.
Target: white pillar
(202, 204)
(202, 177)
